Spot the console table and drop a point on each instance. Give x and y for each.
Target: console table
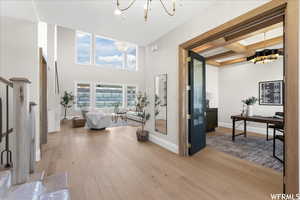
(259, 119)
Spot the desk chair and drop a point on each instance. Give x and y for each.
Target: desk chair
(277, 114)
(279, 137)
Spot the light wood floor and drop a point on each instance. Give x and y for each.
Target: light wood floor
(112, 165)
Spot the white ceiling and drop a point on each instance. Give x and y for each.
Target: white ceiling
(97, 16)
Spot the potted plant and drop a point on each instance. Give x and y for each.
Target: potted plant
(141, 104)
(250, 102)
(67, 102)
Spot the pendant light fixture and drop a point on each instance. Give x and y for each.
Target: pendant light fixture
(266, 55)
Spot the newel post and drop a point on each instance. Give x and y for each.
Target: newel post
(21, 155)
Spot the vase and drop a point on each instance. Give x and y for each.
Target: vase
(249, 110)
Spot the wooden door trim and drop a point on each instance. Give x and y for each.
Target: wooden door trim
(291, 20)
(291, 62)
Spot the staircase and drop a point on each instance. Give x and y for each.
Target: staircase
(18, 180)
(39, 187)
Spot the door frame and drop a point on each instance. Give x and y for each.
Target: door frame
(290, 9)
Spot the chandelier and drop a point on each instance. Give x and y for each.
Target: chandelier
(119, 10)
(265, 56)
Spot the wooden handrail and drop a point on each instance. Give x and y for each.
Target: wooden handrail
(7, 82)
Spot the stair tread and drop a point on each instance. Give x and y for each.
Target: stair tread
(26, 191)
(57, 195)
(5, 182)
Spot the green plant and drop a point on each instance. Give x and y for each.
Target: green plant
(67, 101)
(250, 101)
(141, 104)
(116, 107)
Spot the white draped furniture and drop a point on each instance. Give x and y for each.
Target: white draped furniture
(98, 120)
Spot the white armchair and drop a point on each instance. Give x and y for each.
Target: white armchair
(98, 120)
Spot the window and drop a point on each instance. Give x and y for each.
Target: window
(108, 95)
(83, 95)
(83, 47)
(131, 58)
(131, 96)
(107, 53)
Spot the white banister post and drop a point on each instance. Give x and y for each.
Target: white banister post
(21, 155)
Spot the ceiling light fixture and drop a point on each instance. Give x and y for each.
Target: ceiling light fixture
(266, 55)
(119, 10)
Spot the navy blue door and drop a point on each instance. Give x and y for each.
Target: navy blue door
(197, 135)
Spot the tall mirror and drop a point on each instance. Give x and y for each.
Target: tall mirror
(160, 105)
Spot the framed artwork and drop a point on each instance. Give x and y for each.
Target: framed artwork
(271, 93)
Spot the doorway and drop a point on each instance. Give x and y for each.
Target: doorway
(266, 15)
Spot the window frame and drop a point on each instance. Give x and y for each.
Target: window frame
(75, 93)
(126, 97)
(91, 48)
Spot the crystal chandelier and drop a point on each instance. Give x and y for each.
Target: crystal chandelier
(119, 10)
(265, 56)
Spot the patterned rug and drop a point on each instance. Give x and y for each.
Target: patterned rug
(251, 148)
(125, 123)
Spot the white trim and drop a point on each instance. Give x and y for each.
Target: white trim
(38, 155)
(164, 143)
(259, 130)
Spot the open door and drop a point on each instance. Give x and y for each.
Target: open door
(197, 135)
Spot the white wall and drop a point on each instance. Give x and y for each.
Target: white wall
(165, 60)
(212, 86)
(70, 72)
(239, 81)
(19, 56)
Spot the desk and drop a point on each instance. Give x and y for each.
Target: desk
(259, 119)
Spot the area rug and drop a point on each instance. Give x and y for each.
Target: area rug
(125, 123)
(251, 148)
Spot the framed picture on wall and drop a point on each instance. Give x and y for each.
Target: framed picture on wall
(271, 93)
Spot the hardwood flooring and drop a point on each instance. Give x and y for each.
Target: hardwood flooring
(112, 165)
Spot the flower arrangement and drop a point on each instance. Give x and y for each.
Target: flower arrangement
(250, 101)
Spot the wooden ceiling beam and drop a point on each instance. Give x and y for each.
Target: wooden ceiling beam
(236, 47)
(233, 61)
(221, 55)
(265, 43)
(213, 62)
(229, 40)
(249, 49)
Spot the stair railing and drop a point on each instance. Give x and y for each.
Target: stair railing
(8, 84)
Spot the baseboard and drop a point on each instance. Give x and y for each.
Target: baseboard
(38, 155)
(258, 130)
(163, 143)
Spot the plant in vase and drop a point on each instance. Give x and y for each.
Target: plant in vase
(67, 102)
(250, 102)
(141, 104)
